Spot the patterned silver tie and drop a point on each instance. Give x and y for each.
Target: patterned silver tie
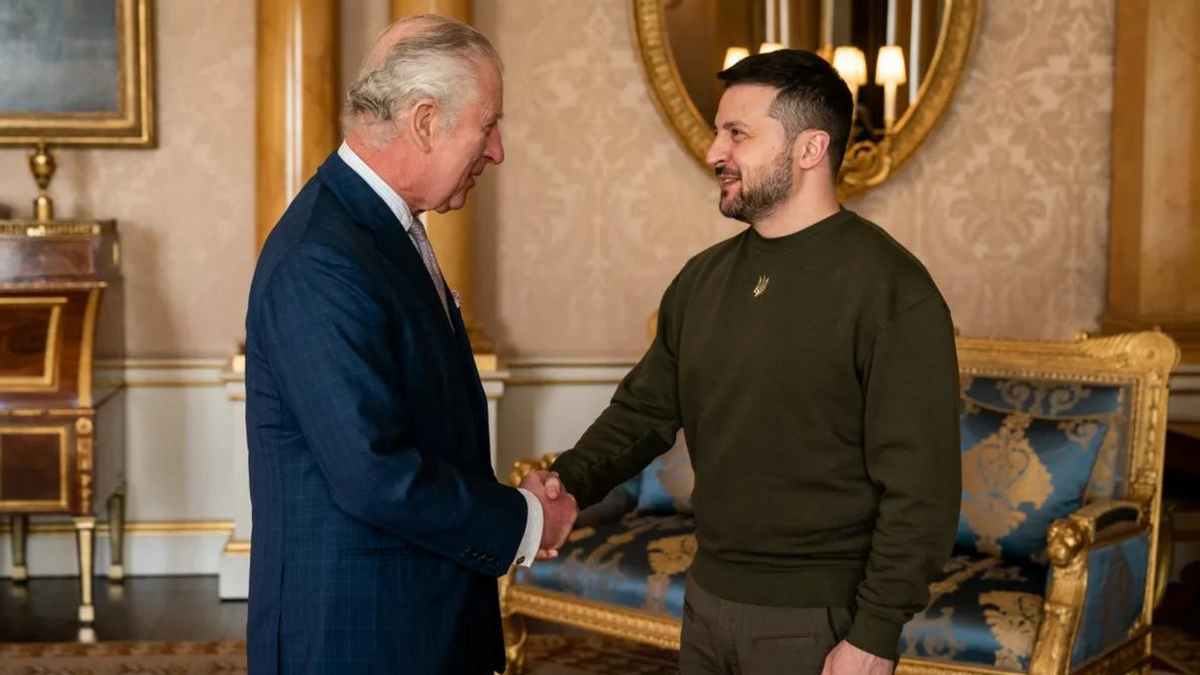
(417, 229)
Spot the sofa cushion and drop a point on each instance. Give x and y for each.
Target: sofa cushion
(1020, 473)
(636, 562)
(667, 483)
(619, 501)
(983, 611)
(1066, 399)
(1045, 398)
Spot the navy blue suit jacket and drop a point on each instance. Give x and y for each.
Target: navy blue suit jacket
(379, 526)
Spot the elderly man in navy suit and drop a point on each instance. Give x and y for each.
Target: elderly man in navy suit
(379, 525)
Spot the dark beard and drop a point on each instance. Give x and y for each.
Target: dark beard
(759, 199)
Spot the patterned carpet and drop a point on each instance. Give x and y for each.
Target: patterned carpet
(1177, 649)
(548, 655)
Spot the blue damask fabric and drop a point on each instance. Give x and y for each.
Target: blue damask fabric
(667, 483)
(1060, 400)
(1021, 473)
(983, 611)
(637, 562)
(1116, 595)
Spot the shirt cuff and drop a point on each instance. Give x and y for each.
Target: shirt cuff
(532, 540)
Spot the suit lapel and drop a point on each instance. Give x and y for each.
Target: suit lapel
(367, 209)
(466, 356)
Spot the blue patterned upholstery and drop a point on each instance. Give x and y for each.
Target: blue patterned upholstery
(983, 611)
(667, 482)
(1046, 398)
(1033, 452)
(637, 562)
(1021, 473)
(1116, 593)
(1059, 399)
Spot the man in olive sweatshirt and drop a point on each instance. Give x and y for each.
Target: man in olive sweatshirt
(811, 363)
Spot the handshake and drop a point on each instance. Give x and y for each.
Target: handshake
(559, 510)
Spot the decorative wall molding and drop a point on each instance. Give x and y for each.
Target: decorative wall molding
(135, 528)
(191, 551)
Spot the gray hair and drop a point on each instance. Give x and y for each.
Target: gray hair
(437, 60)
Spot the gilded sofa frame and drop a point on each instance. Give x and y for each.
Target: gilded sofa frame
(1140, 361)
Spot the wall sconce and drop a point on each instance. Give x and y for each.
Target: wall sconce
(768, 47)
(890, 73)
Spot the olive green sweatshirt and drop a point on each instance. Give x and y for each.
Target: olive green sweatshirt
(816, 381)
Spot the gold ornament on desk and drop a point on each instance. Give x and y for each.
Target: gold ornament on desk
(43, 165)
(95, 91)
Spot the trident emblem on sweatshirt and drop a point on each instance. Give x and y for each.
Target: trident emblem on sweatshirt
(761, 288)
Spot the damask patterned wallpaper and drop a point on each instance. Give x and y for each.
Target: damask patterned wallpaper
(597, 207)
(186, 208)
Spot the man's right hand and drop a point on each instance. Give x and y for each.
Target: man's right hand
(559, 510)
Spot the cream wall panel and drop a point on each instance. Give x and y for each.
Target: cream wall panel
(597, 206)
(186, 208)
(546, 408)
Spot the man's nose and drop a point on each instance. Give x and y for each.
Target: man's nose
(717, 153)
(495, 147)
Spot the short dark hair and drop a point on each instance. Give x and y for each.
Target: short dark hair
(811, 95)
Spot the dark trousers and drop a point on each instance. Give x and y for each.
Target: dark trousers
(721, 637)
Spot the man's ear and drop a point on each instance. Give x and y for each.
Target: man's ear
(811, 148)
(422, 123)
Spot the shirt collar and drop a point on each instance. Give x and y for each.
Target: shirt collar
(389, 196)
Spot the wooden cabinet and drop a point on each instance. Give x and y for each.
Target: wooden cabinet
(59, 286)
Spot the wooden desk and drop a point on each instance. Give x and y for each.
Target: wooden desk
(53, 279)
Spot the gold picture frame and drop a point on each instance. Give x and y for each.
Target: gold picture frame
(125, 119)
(867, 163)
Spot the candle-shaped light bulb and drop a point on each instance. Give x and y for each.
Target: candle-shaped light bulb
(735, 54)
(768, 47)
(851, 64)
(890, 73)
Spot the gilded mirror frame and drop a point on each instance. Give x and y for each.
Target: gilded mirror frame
(867, 163)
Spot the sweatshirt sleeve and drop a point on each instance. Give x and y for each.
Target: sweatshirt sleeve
(639, 424)
(912, 456)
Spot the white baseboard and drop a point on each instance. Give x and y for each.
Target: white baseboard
(54, 554)
(233, 582)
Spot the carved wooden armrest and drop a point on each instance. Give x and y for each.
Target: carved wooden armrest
(521, 467)
(1069, 542)
(1092, 525)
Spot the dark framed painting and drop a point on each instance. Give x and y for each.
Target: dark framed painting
(76, 72)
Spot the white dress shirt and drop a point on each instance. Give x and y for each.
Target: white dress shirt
(532, 539)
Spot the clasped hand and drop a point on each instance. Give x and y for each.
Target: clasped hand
(559, 510)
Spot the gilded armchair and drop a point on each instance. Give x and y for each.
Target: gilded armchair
(1054, 570)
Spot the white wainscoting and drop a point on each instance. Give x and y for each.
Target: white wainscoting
(548, 404)
(178, 473)
(182, 424)
(188, 504)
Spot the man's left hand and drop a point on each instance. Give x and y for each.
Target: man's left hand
(846, 659)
